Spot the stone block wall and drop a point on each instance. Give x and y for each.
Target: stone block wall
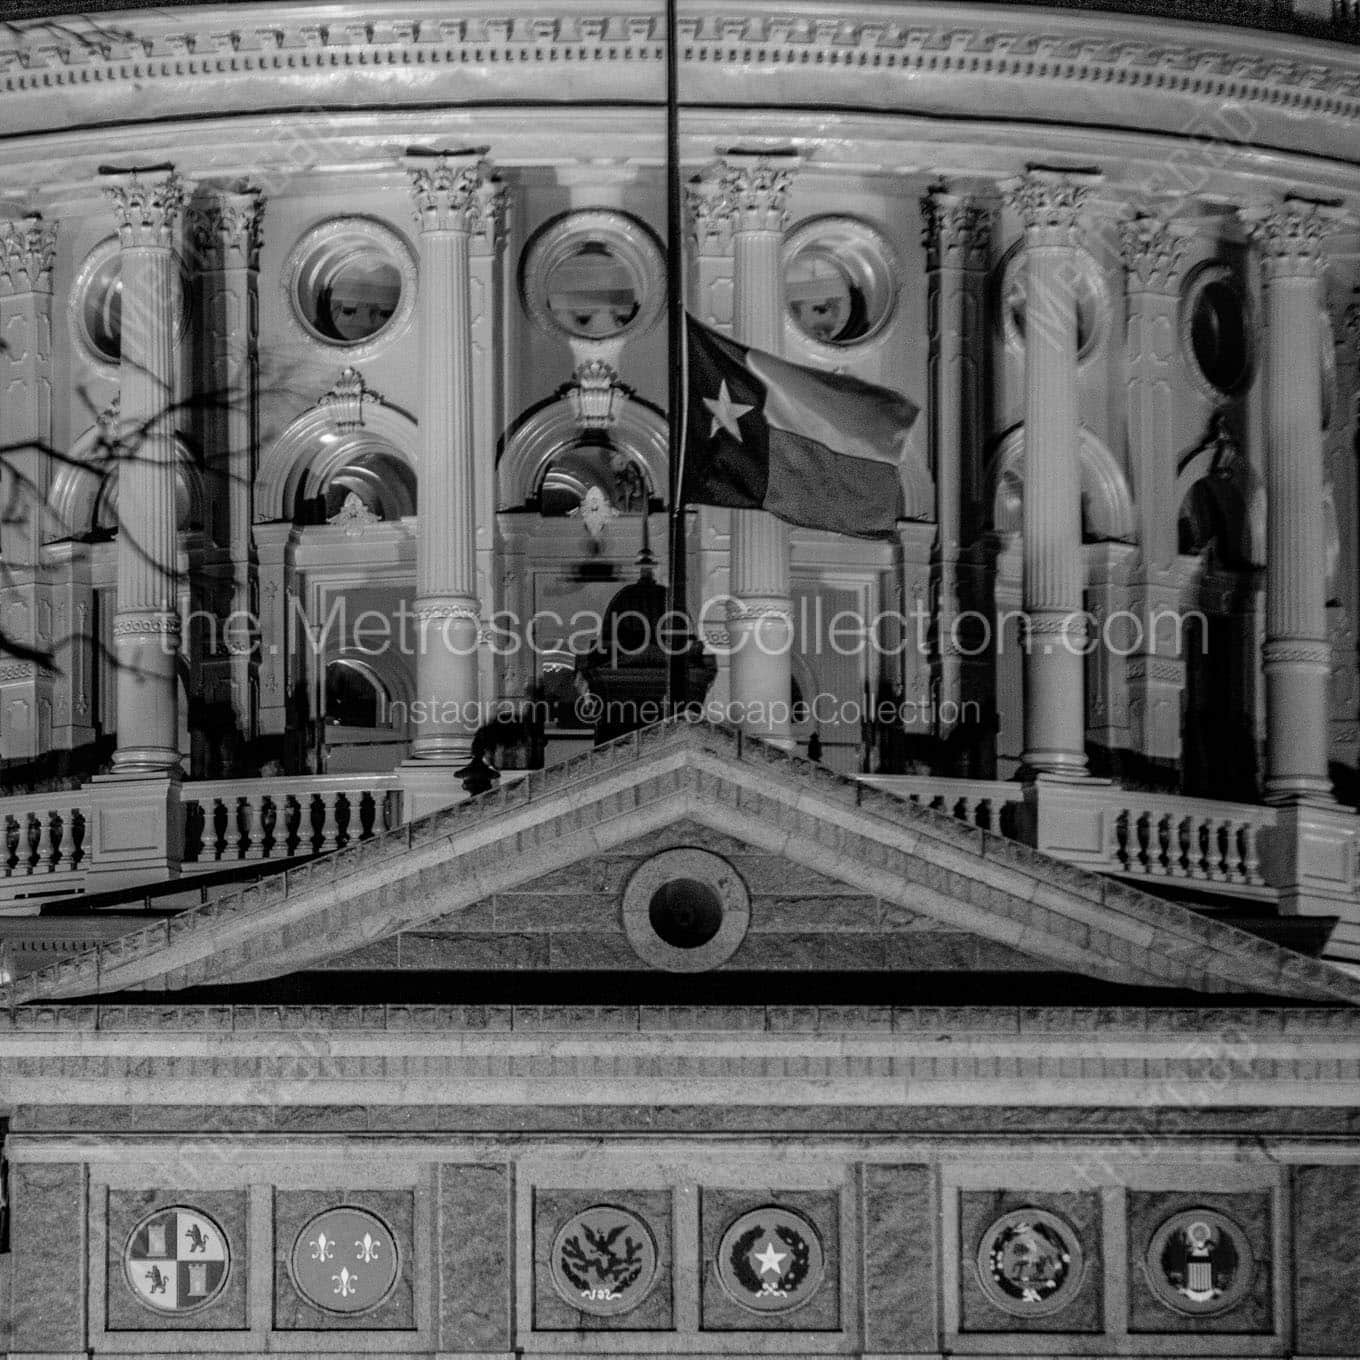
(757, 1245)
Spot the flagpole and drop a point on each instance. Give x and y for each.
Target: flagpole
(677, 673)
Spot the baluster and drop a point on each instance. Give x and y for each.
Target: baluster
(63, 847)
(1117, 846)
(28, 854)
(220, 828)
(330, 831)
(252, 836)
(1219, 859)
(49, 840)
(295, 819)
(1145, 830)
(368, 815)
(11, 846)
(76, 838)
(1251, 857)
(268, 824)
(1162, 857)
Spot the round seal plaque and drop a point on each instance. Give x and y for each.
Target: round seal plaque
(604, 1260)
(345, 1260)
(1199, 1262)
(770, 1260)
(177, 1260)
(1030, 1263)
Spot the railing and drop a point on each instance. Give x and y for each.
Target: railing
(232, 821)
(44, 834)
(986, 803)
(1194, 838)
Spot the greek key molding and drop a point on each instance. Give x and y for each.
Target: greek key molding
(1154, 255)
(146, 207)
(1049, 204)
(956, 230)
(227, 231)
(28, 247)
(457, 191)
(1056, 50)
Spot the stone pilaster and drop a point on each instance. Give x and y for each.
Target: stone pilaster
(1296, 653)
(147, 208)
(958, 241)
(1049, 205)
(456, 198)
(754, 196)
(27, 247)
(1154, 259)
(226, 234)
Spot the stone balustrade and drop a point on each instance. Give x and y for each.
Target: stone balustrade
(1234, 848)
(235, 820)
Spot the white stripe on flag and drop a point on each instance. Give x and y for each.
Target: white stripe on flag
(849, 420)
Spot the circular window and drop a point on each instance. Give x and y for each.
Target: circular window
(840, 280)
(177, 1260)
(1030, 1263)
(351, 281)
(686, 910)
(1215, 324)
(1199, 1262)
(595, 275)
(1088, 285)
(96, 307)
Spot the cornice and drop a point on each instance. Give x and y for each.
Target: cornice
(1137, 56)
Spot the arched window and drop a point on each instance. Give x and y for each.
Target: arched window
(361, 466)
(355, 697)
(594, 461)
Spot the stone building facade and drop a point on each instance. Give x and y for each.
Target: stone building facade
(333, 402)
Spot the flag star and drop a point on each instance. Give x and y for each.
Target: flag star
(769, 1259)
(726, 412)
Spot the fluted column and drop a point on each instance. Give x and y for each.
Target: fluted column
(1296, 653)
(146, 627)
(226, 232)
(1154, 258)
(455, 198)
(760, 616)
(958, 238)
(27, 247)
(1049, 204)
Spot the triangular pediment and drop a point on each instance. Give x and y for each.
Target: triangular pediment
(856, 879)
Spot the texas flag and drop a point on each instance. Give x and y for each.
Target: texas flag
(818, 449)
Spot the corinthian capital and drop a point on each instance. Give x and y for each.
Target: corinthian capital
(1049, 204)
(147, 205)
(744, 192)
(457, 191)
(956, 230)
(226, 230)
(1154, 254)
(1289, 236)
(27, 248)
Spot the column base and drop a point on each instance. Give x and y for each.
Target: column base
(1299, 790)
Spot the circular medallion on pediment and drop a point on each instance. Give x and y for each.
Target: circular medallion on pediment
(1198, 1262)
(1030, 1263)
(176, 1260)
(686, 910)
(345, 1260)
(604, 1260)
(771, 1260)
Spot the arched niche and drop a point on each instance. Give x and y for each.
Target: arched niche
(1238, 497)
(84, 493)
(316, 449)
(552, 435)
(1106, 505)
